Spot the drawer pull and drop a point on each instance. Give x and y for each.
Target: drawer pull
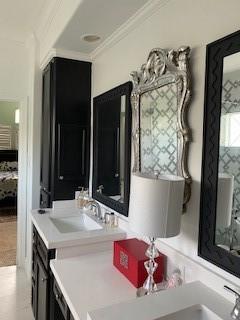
(44, 279)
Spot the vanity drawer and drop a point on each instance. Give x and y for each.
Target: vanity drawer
(43, 252)
(60, 300)
(34, 237)
(34, 263)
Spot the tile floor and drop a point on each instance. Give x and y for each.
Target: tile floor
(14, 295)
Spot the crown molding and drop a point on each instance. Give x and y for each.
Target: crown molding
(44, 62)
(75, 55)
(47, 19)
(132, 23)
(62, 53)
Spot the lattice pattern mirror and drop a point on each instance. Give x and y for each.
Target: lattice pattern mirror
(160, 98)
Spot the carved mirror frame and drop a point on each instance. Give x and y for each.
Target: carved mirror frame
(162, 68)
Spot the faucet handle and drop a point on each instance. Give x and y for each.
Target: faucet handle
(237, 294)
(235, 314)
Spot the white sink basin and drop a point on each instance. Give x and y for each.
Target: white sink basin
(196, 312)
(75, 224)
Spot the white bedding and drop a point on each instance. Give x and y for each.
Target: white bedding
(8, 184)
(8, 175)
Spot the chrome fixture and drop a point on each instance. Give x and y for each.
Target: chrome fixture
(95, 204)
(235, 314)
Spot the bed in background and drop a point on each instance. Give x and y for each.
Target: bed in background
(8, 178)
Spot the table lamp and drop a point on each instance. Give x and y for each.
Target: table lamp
(155, 210)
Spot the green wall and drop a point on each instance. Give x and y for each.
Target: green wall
(7, 112)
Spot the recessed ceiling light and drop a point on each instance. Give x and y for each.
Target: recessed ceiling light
(91, 38)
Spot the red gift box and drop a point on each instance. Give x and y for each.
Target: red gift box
(129, 257)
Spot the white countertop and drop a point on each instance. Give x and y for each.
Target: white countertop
(54, 239)
(166, 302)
(90, 282)
(95, 290)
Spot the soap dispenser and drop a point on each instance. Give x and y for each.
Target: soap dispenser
(86, 198)
(80, 198)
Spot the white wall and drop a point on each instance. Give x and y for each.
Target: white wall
(34, 142)
(186, 22)
(13, 69)
(14, 86)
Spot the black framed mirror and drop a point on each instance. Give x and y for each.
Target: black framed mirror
(219, 234)
(112, 147)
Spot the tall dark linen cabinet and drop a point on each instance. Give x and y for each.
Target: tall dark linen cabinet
(66, 114)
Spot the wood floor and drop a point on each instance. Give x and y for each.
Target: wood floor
(8, 237)
(14, 295)
(8, 241)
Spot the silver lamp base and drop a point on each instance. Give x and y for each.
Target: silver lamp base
(151, 265)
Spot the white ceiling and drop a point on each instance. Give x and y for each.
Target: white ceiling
(19, 18)
(96, 17)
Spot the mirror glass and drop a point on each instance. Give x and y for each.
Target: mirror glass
(227, 233)
(112, 147)
(111, 142)
(159, 128)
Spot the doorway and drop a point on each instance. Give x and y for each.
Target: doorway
(9, 137)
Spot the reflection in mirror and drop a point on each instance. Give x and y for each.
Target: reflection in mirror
(111, 124)
(228, 197)
(112, 147)
(158, 135)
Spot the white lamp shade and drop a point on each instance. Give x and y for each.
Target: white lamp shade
(156, 204)
(224, 200)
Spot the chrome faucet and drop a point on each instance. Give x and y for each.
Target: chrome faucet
(96, 205)
(235, 314)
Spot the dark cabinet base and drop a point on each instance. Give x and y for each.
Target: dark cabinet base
(47, 300)
(41, 278)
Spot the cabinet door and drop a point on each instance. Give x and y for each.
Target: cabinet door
(34, 271)
(42, 291)
(34, 287)
(72, 157)
(46, 130)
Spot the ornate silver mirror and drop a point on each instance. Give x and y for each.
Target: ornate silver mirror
(160, 98)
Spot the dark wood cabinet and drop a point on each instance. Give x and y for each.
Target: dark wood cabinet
(48, 302)
(47, 114)
(42, 291)
(60, 306)
(66, 115)
(42, 283)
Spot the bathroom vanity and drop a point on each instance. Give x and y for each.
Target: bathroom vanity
(82, 283)
(58, 234)
(193, 301)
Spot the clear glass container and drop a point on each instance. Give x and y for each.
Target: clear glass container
(80, 199)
